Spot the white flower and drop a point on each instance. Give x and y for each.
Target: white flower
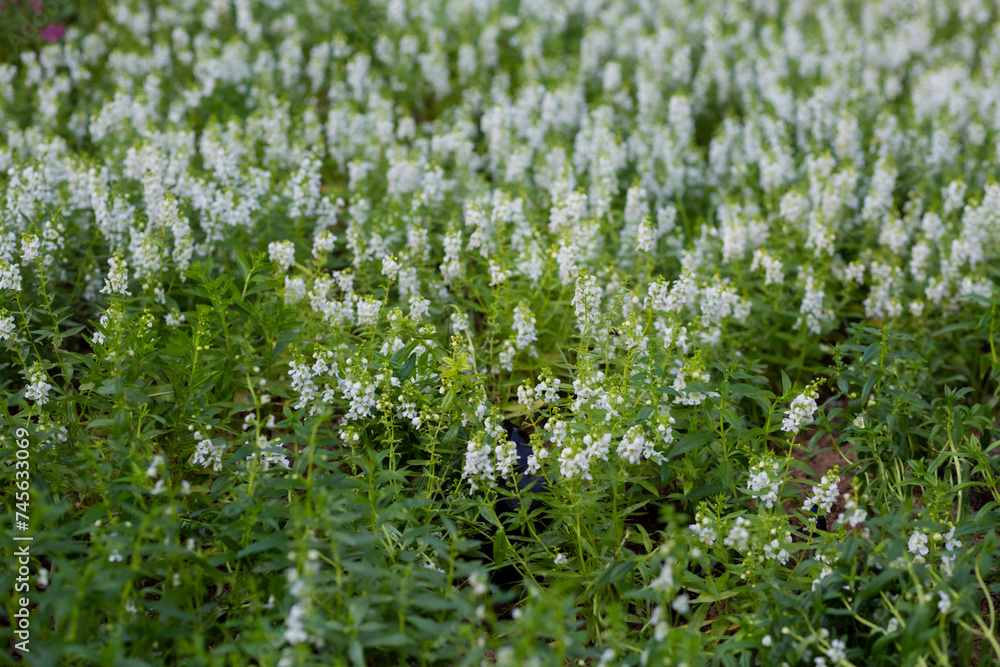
(802, 410)
(498, 275)
(665, 581)
(368, 310)
(917, 544)
(294, 630)
(951, 543)
(812, 312)
(158, 463)
(587, 300)
(634, 446)
(646, 236)
(295, 290)
(459, 322)
(738, 535)
(773, 269)
(825, 495)
(761, 480)
(282, 253)
(7, 327)
(561, 559)
(478, 465)
(685, 397)
(10, 276)
(854, 514)
(524, 326)
(390, 268)
(117, 280)
(525, 394)
(944, 602)
(774, 551)
(477, 582)
(30, 244)
(546, 391)
(208, 453)
(38, 389)
(703, 528)
(506, 453)
(323, 242)
(836, 652)
(419, 307)
(452, 266)
(574, 463)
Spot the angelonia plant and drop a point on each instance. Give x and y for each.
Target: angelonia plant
(277, 279)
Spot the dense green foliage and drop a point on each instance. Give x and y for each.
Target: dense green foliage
(273, 276)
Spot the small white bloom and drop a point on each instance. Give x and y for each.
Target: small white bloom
(282, 253)
(837, 651)
(587, 300)
(38, 389)
(30, 244)
(7, 327)
(478, 583)
(323, 243)
(497, 274)
(665, 580)
(802, 410)
(951, 544)
(917, 544)
(390, 268)
(117, 280)
(10, 276)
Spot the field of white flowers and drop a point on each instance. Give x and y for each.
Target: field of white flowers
(475, 332)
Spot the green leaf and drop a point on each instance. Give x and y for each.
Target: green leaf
(614, 573)
(644, 414)
(407, 369)
(691, 441)
(902, 354)
(869, 384)
(356, 653)
(137, 396)
(870, 352)
(703, 491)
(741, 390)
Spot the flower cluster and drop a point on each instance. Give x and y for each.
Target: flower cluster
(765, 481)
(801, 411)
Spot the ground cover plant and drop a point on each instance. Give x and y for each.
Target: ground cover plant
(284, 284)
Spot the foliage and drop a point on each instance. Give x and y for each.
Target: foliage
(274, 276)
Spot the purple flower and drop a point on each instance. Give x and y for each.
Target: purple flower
(51, 33)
